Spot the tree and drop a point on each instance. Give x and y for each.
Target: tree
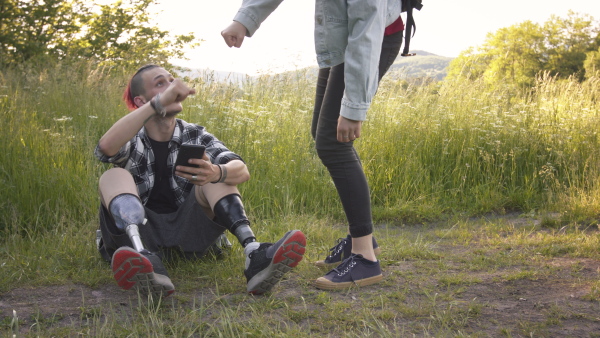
(516, 54)
(568, 40)
(116, 34)
(512, 54)
(592, 64)
(28, 28)
(469, 64)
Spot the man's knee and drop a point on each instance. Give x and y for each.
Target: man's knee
(212, 193)
(114, 175)
(115, 182)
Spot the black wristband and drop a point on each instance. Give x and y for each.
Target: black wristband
(221, 176)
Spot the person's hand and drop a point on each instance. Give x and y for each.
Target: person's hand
(348, 130)
(172, 97)
(234, 34)
(206, 173)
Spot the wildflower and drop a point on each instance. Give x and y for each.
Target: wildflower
(63, 118)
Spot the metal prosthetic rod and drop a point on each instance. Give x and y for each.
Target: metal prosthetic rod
(134, 235)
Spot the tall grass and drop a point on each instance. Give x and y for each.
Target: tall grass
(51, 120)
(427, 150)
(463, 146)
(267, 121)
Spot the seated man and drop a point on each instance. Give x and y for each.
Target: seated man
(151, 209)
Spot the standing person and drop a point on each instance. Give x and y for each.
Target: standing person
(356, 42)
(151, 209)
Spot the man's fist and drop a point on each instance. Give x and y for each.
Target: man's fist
(172, 97)
(234, 34)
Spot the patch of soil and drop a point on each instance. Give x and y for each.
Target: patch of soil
(560, 302)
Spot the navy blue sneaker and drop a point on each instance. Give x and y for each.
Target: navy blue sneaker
(343, 250)
(354, 271)
(143, 271)
(266, 264)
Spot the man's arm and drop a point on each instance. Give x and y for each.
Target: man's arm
(126, 127)
(233, 172)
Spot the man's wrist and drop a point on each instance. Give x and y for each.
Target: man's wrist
(158, 107)
(220, 174)
(223, 174)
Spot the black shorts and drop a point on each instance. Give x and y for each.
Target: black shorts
(187, 232)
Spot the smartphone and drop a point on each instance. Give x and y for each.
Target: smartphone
(188, 151)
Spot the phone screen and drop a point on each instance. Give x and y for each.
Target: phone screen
(188, 151)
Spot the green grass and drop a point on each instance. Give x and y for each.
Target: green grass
(428, 150)
(427, 289)
(436, 155)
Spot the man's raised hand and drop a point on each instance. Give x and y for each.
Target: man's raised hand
(176, 93)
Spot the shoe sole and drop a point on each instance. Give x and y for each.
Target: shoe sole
(325, 264)
(287, 256)
(325, 284)
(132, 270)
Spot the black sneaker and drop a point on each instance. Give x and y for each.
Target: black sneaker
(343, 250)
(354, 271)
(266, 265)
(143, 271)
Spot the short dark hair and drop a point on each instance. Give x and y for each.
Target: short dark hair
(135, 86)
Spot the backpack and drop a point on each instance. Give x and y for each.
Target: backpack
(407, 6)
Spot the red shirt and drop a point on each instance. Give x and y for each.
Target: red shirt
(395, 27)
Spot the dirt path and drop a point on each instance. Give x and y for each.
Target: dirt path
(555, 298)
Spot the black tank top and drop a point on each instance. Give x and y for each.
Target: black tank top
(162, 199)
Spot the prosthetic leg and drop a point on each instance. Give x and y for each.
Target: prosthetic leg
(137, 268)
(230, 213)
(128, 212)
(265, 263)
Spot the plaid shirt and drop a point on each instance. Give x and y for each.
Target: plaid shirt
(137, 157)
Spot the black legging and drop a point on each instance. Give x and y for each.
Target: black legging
(341, 159)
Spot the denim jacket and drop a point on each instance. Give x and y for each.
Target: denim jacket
(346, 31)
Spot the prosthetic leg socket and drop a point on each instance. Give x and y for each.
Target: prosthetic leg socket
(231, 215)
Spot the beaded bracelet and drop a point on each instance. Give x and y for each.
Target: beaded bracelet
(158, 108)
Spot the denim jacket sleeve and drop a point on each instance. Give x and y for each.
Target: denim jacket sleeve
(254, 12)
(366, 26)
(349, 31)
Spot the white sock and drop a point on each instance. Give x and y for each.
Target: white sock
(248, 249)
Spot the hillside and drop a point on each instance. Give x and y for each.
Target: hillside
(424, 64)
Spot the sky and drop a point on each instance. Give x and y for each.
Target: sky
(285, 39)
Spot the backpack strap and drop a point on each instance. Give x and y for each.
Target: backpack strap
(410, 24)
